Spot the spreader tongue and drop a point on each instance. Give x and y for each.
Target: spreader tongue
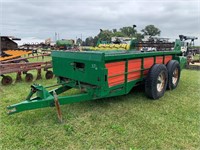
(46, 98)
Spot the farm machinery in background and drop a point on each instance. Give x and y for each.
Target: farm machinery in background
(49, 45)
(9, 49)
(189, 50)
(126, 43)
(66, 44)
(155, 44)
(12, 60)
(7, 67)
(188, 47)
(151, 44)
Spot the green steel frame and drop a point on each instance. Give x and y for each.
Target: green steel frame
(74, 70)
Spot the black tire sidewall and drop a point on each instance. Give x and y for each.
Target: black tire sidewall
(151, 81)
(29, 77)
(171, 66)
(6, 80)
(49, 74)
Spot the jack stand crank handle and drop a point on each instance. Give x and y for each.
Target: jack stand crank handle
(57, 105)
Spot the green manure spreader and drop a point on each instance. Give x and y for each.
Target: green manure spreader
(102, 74)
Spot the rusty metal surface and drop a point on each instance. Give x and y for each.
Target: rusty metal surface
(23, 67)
(19, 59)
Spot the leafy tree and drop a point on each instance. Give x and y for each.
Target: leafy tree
(95, 40)
(114, 30)
(128, 31)
(89, 41)
(105, 35)
(118, 34)
(151, 30)
(139, 36)
(79, 41)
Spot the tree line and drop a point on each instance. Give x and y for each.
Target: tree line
(129, 31)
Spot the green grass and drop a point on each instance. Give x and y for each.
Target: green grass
(197, 57)
(125, 122)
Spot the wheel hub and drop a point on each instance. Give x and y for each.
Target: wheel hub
(175, 76)
(161, 81)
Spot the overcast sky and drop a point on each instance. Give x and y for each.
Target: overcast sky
(73, 18)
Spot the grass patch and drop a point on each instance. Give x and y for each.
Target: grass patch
(125, 122)
(196, 57)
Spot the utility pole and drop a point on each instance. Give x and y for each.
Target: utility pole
(81, 39)
(55, 36)
(58, 36)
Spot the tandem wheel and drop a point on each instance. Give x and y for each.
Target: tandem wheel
(156, 81)
(174, 72)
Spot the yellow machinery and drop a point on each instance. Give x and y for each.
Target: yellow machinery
(12, 54)
(9, 48)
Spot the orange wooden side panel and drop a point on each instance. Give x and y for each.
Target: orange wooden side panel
(134, 69)
(159, 59)
(167, 59)
(116, 72)
(148, 62)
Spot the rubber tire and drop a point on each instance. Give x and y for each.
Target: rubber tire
(171, 66)
(151, 81)
(29, 77)
(6, 80)
(49, 75)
